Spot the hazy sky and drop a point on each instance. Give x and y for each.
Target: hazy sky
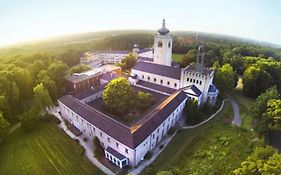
(23, 20)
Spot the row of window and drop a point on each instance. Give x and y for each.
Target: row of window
(161, 81)
(160, 44)
(194, 74)
(194, 81)
(94, 130)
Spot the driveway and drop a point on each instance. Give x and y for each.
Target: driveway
(236, 112)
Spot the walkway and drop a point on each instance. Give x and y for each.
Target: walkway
(236, 113)
(88, 146)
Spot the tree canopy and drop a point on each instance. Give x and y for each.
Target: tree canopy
(4, 127)
(224, 79)
(128, 62)
(118, 96)
(264, 160)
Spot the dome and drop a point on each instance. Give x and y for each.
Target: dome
(163, 30)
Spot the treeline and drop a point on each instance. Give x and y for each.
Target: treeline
(29, 84)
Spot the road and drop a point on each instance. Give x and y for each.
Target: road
(236, 112)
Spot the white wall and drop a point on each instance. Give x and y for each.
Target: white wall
(163, 55)
(134, 156)
(144, 76)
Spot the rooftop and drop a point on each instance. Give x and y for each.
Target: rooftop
(192, 68)
(131, 135)
(166, 71)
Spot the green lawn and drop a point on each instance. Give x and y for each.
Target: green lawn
(177, 57)
(214, 148)
(46, 150)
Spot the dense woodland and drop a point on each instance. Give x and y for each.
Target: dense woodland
(32, 75)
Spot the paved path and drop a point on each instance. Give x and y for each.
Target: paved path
(236, 113)
(87, 145)
(156, 151)
(14, 128)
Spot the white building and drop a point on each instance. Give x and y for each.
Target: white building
(127, 144)
(195, 79)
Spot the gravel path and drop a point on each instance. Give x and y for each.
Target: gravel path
(236, 112)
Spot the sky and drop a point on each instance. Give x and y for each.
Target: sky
(27, 20)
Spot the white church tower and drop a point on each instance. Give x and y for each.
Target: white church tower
(163, 46)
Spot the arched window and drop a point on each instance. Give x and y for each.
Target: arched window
(197, 81)
(160, 44)
(175, 84)
(161, 81)
(169, 44)
(148, 77)
(168, 83)
(187, 79)
(155, 79)
(142, 76)
(200, 82)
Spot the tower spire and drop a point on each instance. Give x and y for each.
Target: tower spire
(164, 23)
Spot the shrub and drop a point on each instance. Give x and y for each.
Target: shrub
(81, 149)
(148, 155)
(98, 149)
(171, 131)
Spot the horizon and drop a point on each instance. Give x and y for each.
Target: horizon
(32, 21)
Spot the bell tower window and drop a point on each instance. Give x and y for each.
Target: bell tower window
(160, 44)
(169, 45)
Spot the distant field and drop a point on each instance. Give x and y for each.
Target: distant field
(209, 149)
(177, 57)
(44, 151)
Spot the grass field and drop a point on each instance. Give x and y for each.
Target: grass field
(177, 57)
(214, 148)
(46, 150)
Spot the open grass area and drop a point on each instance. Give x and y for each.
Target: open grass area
(46, 150)
(213, 148)
(177, 57)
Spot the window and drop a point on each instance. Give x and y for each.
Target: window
(108, 139)
(175, 84)
(126, 150)
(160, 44)
(157, 130)
(142, 76)
(187, 79)
(197, 81)
(200, 82)
(153, 136)
(190, 79)
(168, 83)
(161, 81)
(100, 134)
(117, 144)
(148, 77)
(94, 129)
(193, 80)
(155, 79)
(169, 45)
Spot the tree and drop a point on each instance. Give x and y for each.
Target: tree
(79, 68)
(191, 111)
(128, 62)
(42, 99)
(189, 57)
(48, 83)
(273, 114)
(29, 118)
(144, 100)
(264, 160)
(224, 79)
(118, 96)
(4, 127)
(259, 107)
(164, 172)
(256, 81)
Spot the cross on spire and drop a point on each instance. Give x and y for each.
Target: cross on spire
(164, 24)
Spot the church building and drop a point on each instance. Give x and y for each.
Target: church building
(195, 79)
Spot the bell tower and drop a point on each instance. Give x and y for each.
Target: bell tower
(163, 46)
(200, 58)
